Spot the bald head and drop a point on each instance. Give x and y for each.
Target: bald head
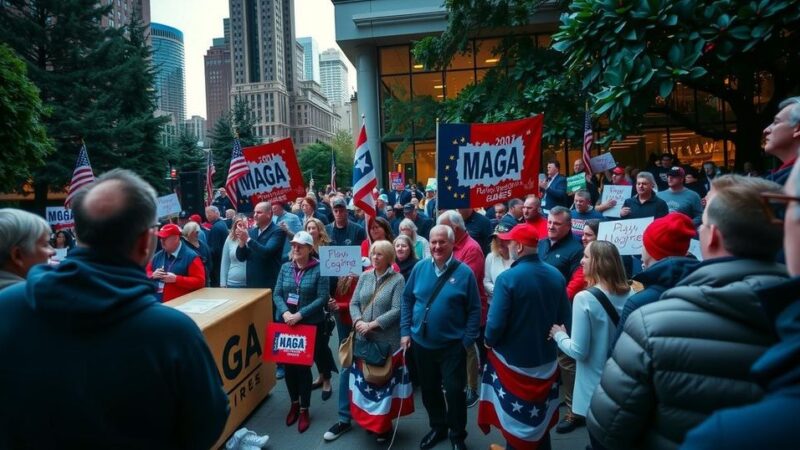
(113, 212)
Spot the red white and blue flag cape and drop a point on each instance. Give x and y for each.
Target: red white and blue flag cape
(374, 407)
(521, 402)
(480, 164)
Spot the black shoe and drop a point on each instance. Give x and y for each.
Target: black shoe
(432, 438)
(459, 445)
(337, 430)
(326, 394)
(472, 398)
(316, 385)
(569, 423)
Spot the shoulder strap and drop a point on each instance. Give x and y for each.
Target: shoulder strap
(442, 280)
(606, 303)
(378, 289)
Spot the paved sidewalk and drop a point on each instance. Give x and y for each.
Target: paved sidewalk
(270, 417)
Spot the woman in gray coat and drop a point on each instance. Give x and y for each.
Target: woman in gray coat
(378, 319)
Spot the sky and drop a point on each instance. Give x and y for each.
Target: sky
(201, 21)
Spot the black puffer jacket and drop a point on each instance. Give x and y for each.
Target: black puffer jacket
(685, 356)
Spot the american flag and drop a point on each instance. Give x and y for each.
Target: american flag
(210, 171)
(521, 402)
(237, 169)
(81, 176)
(588, 140)
(364, 180)
(374, 407)
(333, 171)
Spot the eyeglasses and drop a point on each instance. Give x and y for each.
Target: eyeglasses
(775, 205)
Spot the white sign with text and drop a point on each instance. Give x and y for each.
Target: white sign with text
(602, 162)
(626, 235)
(617, 193)
(340, 260)
(168, 205)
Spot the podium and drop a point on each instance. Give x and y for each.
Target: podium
(234, 323)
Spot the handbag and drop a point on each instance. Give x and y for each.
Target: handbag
(346, 346)
(378, 375)
(328, 324)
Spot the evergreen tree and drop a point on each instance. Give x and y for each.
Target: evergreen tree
(185, 155)
(241, 120)
(24, 138)
(97, 83)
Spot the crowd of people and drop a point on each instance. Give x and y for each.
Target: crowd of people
(666, 350)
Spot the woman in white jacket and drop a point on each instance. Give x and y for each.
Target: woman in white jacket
(232, 272)
(593, 326)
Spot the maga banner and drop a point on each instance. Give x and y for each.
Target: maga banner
(481, 164)
(290, 345)
(274, 173)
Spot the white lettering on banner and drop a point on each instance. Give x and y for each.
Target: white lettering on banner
(265, 175)
(626, 235)
(490, 164)
(293, 343)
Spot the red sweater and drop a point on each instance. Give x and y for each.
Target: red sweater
(194, 280)
(576, 284)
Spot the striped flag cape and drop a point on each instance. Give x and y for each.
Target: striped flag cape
(81, 175)
(374, 407)
(521, 402)
(237, 169)
(364, 180)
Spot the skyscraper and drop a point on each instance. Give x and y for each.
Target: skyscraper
(122, 11)
(168, 61)
(333, 73)
(217, 63)
(311, 67)
(263, 62)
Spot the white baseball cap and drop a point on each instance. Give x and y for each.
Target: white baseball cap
(302, 237)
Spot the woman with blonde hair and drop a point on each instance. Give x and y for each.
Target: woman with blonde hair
(595, 315)
(497, 261)
(421, 245)
(317, 230)
(232, 272)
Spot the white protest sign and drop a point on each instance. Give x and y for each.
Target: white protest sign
(616, 193)
(168, 205)
(340, 260)
(626, 235)
(602, 162)
(59, 217)
(694, 249)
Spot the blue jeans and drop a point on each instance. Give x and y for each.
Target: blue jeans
(344, 376)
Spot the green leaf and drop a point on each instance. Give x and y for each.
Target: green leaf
(665, 88)
(741, 32)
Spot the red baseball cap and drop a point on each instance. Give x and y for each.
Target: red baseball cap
(196, 218)
(168, 230)
(524, 233)
(618, 170)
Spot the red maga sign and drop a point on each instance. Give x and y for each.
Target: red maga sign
(290, 345)
(274, 173)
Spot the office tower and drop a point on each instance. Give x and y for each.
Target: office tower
(311, 68)
(217, 65)
(168, 62)
(333, 73)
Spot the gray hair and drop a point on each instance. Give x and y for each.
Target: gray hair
(114, 233)
(19, 228)
(794, 112)
(408, 223)
(583, 193)
(190, 227)
(647, 176)
(453, 218)
(451, 236)
(212, 208)
(558, 210)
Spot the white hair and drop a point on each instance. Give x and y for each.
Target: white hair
(794, 111)
(451, 236)
(19, 228)
(453, 218)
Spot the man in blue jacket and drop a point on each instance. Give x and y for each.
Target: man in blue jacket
(441, 327)
(527, 297)
(91, 358)
(216, 241)
(554, 189)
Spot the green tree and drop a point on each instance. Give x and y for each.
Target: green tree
(97, 83)
(185, 155)
(24, 137)
(344, 147)
(627, 56)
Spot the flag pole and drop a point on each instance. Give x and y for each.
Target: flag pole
(436, 172)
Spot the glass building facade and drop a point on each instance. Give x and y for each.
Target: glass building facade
(169, 64)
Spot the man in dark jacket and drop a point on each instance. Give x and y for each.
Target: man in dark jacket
(261, 248)
(514, 215)
(98, 362)
(645, 203)
(554, 188)
(683, 357)
(216, 241)
(772, 422)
